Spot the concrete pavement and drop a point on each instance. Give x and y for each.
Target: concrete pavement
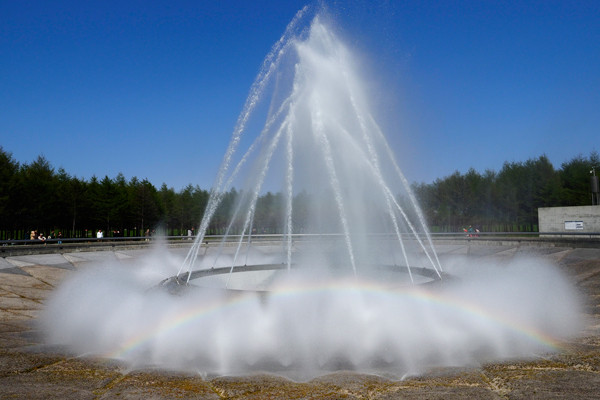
(31, 370)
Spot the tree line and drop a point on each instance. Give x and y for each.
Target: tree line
(508, 200)
(35, 196)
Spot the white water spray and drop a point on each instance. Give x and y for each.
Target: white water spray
(342, 299)
(334, 151)
(312, 323)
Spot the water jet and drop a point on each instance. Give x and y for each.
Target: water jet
(350, 282)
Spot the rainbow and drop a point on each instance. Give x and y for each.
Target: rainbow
(187, 315)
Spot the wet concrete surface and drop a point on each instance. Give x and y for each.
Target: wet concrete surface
(31, 370)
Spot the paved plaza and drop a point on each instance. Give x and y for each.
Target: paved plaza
(31, 370)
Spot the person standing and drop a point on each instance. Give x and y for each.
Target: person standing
(99, 235)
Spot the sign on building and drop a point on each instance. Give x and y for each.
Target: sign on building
(573, 225)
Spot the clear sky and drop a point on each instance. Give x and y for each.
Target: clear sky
(153, 89)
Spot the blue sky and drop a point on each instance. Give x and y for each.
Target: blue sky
(153, 89)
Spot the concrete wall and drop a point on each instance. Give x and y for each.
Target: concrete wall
(583, 219)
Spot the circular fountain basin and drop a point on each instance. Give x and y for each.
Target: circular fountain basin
(261, 277)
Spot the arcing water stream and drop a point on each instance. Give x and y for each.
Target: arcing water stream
(347, 299)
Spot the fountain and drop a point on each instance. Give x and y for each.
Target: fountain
(345, 283)
(322, 144)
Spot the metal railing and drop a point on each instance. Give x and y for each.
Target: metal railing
(582, 238)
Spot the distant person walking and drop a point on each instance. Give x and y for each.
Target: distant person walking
(100, 234)
(471, 230)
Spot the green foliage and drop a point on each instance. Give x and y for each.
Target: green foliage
(36, 197)
(8, 171)
(507, 200)
(574, 180)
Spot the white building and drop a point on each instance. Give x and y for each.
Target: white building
(571, 220)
